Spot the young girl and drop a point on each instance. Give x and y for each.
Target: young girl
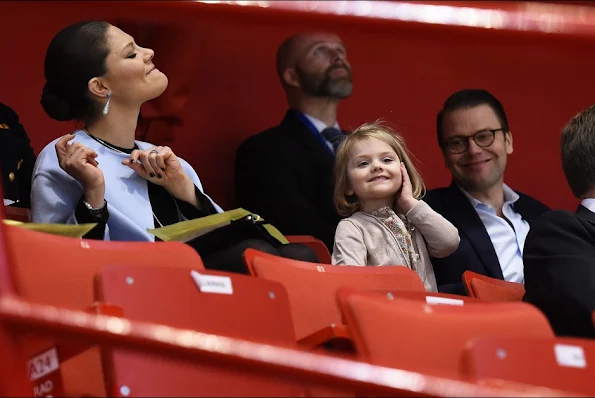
(379, 189)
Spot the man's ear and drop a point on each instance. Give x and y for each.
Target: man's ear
(96, 87)
(291, 78)
(508, 142)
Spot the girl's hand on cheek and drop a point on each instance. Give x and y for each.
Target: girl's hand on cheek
(405, 201)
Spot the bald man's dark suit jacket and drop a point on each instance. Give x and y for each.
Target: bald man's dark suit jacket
(285, 174)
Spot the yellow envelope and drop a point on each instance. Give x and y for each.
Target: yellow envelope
(68, 230)
(187, 230)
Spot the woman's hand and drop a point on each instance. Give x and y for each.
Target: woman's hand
(79, 162)
(405, 200)
(162, 167)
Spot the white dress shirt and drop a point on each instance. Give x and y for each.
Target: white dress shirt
(508, 237)
(589, 204)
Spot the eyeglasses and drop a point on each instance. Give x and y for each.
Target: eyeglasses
(483, 139)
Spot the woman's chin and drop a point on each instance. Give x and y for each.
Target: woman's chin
(159, 88)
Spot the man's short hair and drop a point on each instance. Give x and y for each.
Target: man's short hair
(470, 98)
(578, 152)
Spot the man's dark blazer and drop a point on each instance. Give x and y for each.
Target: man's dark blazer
(475, 252)
(559, 259)
(285, 174)
(16, 158)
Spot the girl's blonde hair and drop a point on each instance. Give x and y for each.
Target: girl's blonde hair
(349, 204)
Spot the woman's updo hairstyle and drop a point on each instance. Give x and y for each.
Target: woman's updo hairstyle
(76, 55)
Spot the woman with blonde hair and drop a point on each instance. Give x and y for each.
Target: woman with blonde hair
(379, 190)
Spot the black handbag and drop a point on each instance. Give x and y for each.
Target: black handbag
(248, 227)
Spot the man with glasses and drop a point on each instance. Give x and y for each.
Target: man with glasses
(492, 219)
(285, 173)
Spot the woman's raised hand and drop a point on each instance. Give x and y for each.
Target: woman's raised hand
(162, 167)
(79, 162)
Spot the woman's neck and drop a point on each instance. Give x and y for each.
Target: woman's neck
(118, 127)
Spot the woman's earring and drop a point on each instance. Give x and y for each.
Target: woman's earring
(106, 106)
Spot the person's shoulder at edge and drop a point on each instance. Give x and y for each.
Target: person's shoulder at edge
(559, 225)
(6, 112)
(553, 219)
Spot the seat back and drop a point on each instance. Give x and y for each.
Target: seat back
(324, 256)
(240, 306)
(312, 288)
(423, 297)
(492, 289)
(18, 316)
(431, 298)
(192, 347)
(562, 363)
(413, 335)
(59, 271)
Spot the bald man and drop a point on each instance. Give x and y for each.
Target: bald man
(285, 173)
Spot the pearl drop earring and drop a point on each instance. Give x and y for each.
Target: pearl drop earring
(106, 107)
